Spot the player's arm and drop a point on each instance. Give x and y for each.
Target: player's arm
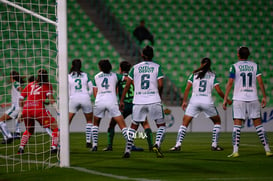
(228, 88)
(125, 90)
(186, 94)
(261, 84)
(160, 86)
(95, 91)
(90, 88)
(221, 93)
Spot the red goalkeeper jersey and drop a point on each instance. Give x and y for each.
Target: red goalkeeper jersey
(36, 94)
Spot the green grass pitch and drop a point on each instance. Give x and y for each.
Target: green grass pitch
(195, 162)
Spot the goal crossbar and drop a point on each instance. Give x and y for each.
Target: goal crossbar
(29, 12)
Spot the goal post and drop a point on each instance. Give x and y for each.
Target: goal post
(63, 82)
(27, 44)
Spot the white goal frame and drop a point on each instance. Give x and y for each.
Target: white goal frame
(61, 26)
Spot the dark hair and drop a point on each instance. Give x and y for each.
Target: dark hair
(76, 67)
(125, 66)
(15, 75)
(31, 78)
(42, 76)
(148, 52)
(243, 52)
(204, 68)
(105, 66)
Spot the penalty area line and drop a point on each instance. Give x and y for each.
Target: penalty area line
(120, 177)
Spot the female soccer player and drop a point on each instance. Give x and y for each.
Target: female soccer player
(105, 84)
(80, 90)
(13, 111)
(34, 109)
(124, 68)
(202, 82)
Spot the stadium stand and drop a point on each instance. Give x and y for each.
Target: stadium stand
(185, 31)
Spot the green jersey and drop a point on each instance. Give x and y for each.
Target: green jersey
(130, 94)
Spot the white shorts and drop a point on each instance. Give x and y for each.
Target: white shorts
(13, 111)
(80, 102)
(101, 107)
(244, 110)
(152, 111)
(194, 109)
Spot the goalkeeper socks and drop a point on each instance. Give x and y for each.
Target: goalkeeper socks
(149, 135)
(95, 134)
(55, 137)
(110, 135)
(25, 138)
(130, 139)
(88, 132)
(180, 135)
(236, 134)
(262, 135)
(215, 135)
(160, 135)
(5, 130)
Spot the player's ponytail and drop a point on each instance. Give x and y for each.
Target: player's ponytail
(204, 68)
(76, 67)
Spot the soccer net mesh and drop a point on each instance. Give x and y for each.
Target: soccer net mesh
(27, 43)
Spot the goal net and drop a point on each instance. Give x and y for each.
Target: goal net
(28, 42)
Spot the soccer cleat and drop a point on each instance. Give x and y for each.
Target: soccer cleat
(126, 155)
(156, 149)
(217, 148)
(269, 153)
(53, 150)
(20, 151)
(134, 148)
(175, 148)
(88, 145)
(94, 148)
(7, 141)
(17, 135)
(233, 155)
(108, 148)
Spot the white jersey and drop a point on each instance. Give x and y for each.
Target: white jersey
(244, 74)
(79, 84)
(15, 93)
(106, 85)
(145, 76)
(202, 88)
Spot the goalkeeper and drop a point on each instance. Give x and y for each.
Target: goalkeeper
(34, 109)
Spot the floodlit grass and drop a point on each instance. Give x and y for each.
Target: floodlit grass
(195, 162)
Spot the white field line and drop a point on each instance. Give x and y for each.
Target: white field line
(109, 175)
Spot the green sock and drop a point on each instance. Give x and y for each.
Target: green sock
(110, 136)
(149, 134)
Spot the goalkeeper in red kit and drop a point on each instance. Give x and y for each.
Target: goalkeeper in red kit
(35, 94)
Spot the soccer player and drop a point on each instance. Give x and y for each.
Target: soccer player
(244, 75)
(105, 83)
(124, 68)
(80, 91)
(147, 78)
(33, 109)
(13, 111)
(202, 81)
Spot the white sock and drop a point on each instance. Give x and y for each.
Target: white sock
(180, 135)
